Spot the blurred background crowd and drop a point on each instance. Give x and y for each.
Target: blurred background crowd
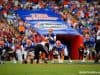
(82, 15)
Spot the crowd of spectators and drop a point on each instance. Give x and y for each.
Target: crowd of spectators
(80, 15)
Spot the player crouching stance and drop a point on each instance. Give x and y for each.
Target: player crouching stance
(58, 52)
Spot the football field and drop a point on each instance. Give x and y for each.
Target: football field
(50, 69)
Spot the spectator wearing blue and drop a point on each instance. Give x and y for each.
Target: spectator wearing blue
(88, 1)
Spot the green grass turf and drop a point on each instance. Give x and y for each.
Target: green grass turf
(49, 69)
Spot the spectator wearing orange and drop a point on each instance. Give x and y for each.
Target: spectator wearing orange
(21, 27)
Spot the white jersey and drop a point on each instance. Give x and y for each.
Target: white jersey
(98, 35)
(65, 51)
